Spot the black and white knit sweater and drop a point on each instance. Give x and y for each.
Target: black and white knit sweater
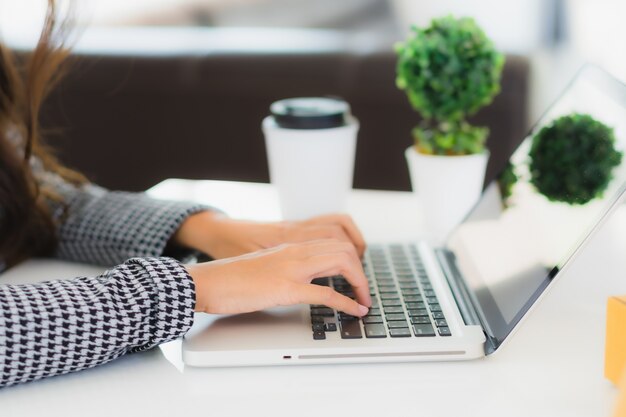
(57, 327)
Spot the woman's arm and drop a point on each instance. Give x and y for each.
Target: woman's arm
(107, 227)
(282, 276)
(58, 327)
(216, 234)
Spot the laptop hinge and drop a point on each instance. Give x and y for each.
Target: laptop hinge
(466, 303)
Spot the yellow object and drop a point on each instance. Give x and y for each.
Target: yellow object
(615, 354)
(620, 411)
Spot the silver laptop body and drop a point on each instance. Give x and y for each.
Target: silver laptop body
(458, 302)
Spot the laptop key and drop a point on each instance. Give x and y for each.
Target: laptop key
(389, 296)
(319, 335)
(384, 276)
(444, 331)
(416, 305)
(317, 319)
(350, 329)
(402, 332)
(372, 319)
(395, 317)
(435, 308)
(423, 330)
(419, 312)
(347, 317)
(375, 330)
(397, 324)
(392, 303)
(438, 315)
(331, 327)
(441, 323)
(393, 310)
(324, 312)
(420, 320)
(318, 327)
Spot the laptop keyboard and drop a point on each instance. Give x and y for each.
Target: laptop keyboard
(404, 303)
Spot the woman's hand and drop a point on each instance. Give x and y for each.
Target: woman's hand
(281, 276)
(221, 237)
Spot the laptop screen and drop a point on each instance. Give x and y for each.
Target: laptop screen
(530, 220)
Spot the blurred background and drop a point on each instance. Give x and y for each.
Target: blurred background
(199, 75)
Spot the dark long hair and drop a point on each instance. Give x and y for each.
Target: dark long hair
(26, 225)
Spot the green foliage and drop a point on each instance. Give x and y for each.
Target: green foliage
(450, 138)
(506, 180)
(449, 70)
(572, 159)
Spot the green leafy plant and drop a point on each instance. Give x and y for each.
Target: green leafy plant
(572, 159)
(506, 180)
(449, 70)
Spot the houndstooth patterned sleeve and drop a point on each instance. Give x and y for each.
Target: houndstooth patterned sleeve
(108, 227)
(58, 327)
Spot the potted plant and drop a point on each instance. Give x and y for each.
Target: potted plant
(571, 160)
(449, 70)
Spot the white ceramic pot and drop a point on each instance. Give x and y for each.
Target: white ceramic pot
(447, 187)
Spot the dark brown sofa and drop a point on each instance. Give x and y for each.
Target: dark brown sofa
(130, 118)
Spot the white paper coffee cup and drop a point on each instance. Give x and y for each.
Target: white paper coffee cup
(311, 144)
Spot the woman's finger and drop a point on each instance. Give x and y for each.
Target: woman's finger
(353, 232)
(346, 265)
(326, 231)
(324, 246)
(347, 224)
(318, 294)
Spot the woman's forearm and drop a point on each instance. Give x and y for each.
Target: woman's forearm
(58, 327)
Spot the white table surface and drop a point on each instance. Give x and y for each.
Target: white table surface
(552, 367)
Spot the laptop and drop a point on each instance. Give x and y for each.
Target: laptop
(457, 302)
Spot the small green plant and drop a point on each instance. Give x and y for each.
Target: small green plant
(449, 70)
(572, 159)
(506, 180)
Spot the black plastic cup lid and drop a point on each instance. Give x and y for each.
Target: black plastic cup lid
(310, 113)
